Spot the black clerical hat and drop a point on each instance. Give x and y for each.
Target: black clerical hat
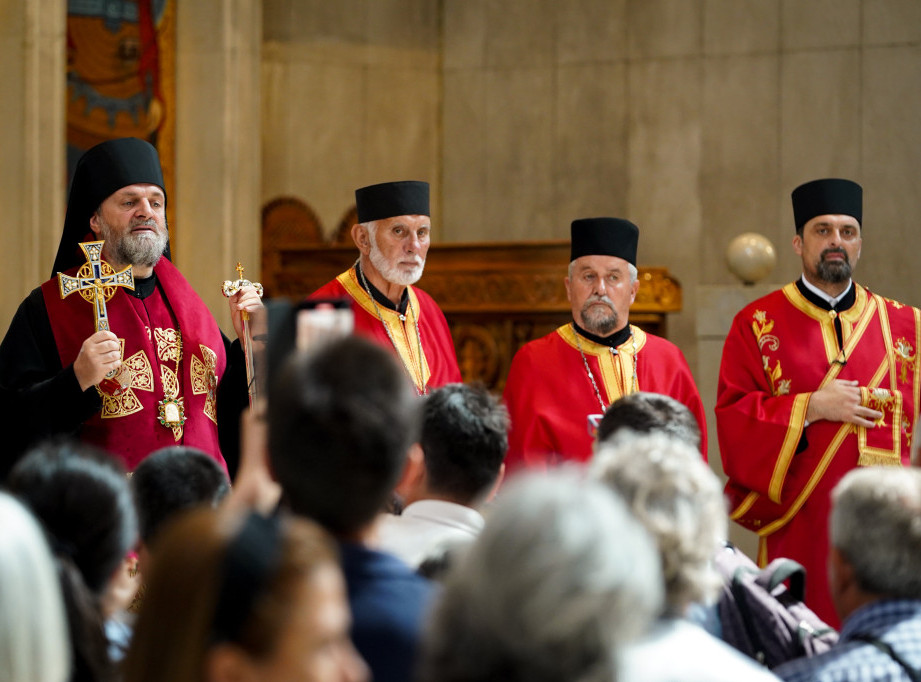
(390, 199)
(830, 196)
(604, 237)
(100, 172)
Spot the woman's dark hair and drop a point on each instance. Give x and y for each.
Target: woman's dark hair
(82, 499)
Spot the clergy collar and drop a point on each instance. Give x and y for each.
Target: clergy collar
(144, 286)
(612, 341)
(818, 297)
(378, 296)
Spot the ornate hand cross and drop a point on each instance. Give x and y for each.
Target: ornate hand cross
(96, 281)
(230, 288)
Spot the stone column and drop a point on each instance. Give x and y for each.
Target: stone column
(33, 173)
(216, 212)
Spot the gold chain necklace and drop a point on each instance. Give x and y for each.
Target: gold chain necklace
(591, 376)
(364, 284)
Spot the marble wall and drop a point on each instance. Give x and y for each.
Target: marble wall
(33, 172)
(351, 97)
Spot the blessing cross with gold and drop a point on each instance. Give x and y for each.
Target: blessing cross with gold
(96, 281)
(230, 288)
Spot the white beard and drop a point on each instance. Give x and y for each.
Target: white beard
(394, 273)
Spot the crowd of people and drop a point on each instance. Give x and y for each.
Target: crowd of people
(370, 517)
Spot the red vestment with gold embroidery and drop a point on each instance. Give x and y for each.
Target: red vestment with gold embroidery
(172, 323)
(550, 395)
(779, 350)
(438, 364)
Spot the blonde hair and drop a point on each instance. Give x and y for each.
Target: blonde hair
(679, 500)
(34, 645)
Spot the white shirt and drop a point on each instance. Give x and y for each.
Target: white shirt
(424, 527)
(832, 300)
(679, 651)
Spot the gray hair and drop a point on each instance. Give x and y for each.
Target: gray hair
(558, 579)
(34, 641)
(876, 525)
(631, 268)
(679, 500)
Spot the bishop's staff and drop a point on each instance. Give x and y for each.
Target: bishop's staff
(230, 288)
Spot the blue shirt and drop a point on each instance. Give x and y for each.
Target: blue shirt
(897, 622)
(388, 602)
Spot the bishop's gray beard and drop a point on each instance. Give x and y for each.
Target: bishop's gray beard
(600, 320)
(135, 248)
(834, 271)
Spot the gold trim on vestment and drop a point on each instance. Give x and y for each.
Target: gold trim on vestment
(839, 436)
(869, 305)
(916, 387)
(204, 380)
(744, 506)
(790, 443)
(402, 327)
(141, 378)
(826, 318)
(617, 370)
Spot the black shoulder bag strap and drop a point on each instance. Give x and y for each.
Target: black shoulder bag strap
(913, 674)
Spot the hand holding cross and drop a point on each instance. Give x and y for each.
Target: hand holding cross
(97, 282)
(244, 297)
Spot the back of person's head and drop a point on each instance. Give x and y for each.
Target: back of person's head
(174, 479)
(82, 498)
(560, 576)
(464, 439)
(33, 628)
(341, 420)
(645, 412)
(679, 500)
(234, 597)
(875, 524)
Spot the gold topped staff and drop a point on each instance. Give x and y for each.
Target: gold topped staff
(97, 282)
(230, 288)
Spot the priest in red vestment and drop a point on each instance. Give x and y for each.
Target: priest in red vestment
(559, 386)
(162, 372)
(393, 236)
(816, 379)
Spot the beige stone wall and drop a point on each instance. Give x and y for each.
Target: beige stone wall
(216, 210)
(351, 97)
(32, 172)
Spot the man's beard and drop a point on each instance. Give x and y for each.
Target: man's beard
(393, 273)
(834, 271)
(135, 248)
(598, 319)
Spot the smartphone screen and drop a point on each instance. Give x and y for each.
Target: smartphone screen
(321, 320)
